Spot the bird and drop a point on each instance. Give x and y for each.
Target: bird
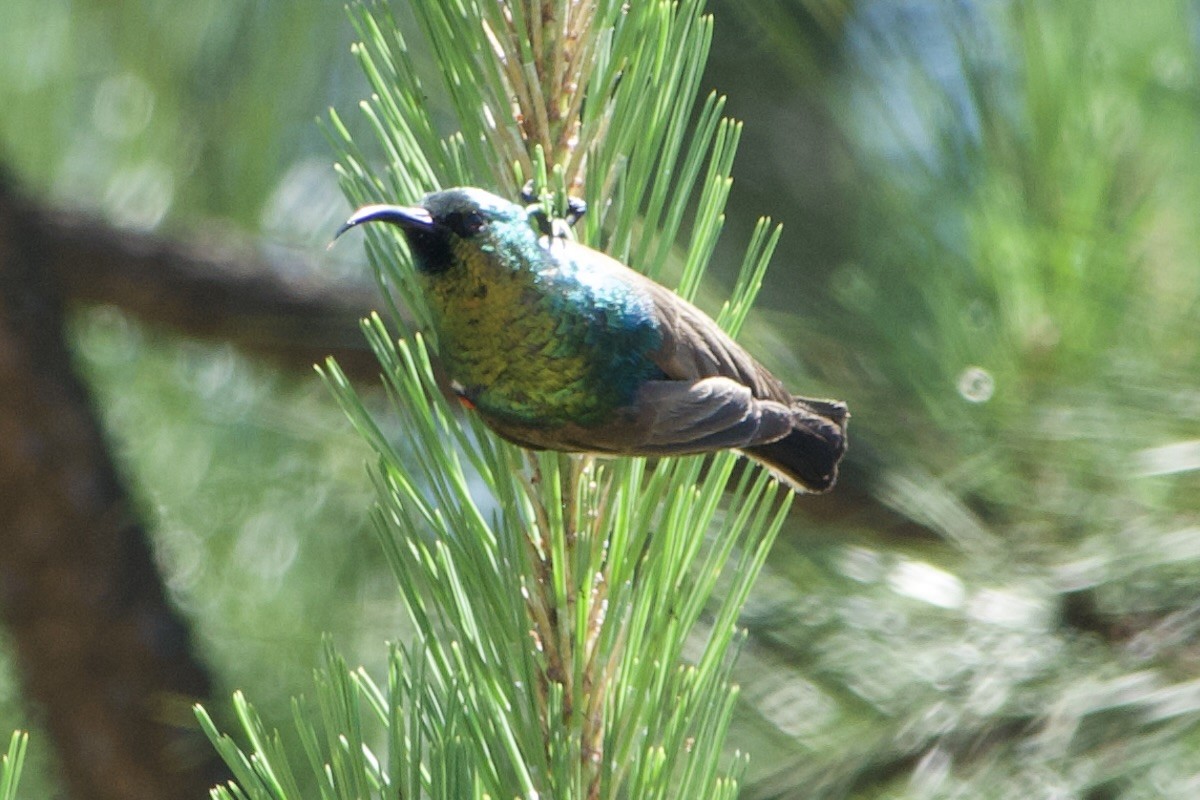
(561, 347)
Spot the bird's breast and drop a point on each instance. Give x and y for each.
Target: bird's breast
(544, 347)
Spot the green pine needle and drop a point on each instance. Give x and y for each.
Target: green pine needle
(11, 764)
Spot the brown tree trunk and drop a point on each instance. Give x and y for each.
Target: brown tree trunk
(105, 657)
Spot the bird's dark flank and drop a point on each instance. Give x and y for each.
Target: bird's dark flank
(560, 347)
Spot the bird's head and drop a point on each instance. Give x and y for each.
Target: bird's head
(448, 225)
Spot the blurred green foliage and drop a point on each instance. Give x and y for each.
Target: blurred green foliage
(1016, 319)
(141, 109)
(1006, 290)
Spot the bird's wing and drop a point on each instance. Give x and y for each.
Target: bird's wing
(680, 417)
(695, 347)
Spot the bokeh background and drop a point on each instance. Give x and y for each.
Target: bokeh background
(991, 251)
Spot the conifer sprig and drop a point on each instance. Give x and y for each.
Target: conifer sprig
(571, 640)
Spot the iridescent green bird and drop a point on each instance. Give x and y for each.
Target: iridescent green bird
(560, 347)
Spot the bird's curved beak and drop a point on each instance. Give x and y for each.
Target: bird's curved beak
(410, 218)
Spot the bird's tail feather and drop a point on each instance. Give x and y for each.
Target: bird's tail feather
(807, 458)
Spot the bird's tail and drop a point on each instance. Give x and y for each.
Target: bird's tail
(807, 458)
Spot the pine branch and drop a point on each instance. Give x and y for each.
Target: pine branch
(571, 638)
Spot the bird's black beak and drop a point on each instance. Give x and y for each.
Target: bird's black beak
(410, 218)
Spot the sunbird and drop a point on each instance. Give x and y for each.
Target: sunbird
(560, 347)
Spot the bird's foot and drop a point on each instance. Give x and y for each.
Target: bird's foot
(556, 227)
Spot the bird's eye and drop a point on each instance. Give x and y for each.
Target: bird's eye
(473, 222)
(465, 224)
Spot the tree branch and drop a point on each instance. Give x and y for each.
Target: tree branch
(207, 288)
